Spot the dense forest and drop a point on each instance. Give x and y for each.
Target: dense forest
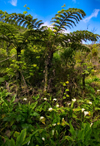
(49, 81)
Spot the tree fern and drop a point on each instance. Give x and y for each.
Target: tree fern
(21, 20)
(52, 40)
(67, 18)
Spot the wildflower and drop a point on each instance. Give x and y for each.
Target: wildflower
(74, 100)
(62, 119)
(98, 90)
(43, 138)
(58, 123)
(34, 65)
(90, 102)
(50, 109)
(45, 98)
(54, 99)
(25, 99)
(91, 124)
(54, 124)
(53, 132)
(67, 82)
(86, 113)
(28, 143)
(69, 103)
(41, 117)
(57, 105)
(83, 109)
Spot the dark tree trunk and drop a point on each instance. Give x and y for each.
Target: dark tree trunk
(47, 71)
(18, 71)
(83, 81)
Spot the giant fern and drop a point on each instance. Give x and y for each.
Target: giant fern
(67, 18)
(21, 20)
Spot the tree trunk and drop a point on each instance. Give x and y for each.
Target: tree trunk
(84, 81)
(18, 71)
(45, 77)
(48, 62)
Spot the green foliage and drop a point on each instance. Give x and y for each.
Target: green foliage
(43, 116)
(33, 57)
(67, 18)
(20, 139)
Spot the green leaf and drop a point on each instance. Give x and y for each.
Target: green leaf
(72, 131)
(34, 104)
(2, 80)
(97, 108)
(27, 140)
(35, 114)
(12, 142)
(28, 8)
(25, 5)
(21, 138)
(64, 6)
(25, 12)
(16, 134)
(64, 97)
(13, 98)
(67, 90)
(68, 138)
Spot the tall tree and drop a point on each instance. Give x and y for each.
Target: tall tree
(12, 32)
(62, 20)
(52, 39)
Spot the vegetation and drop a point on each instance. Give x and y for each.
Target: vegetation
(49, 82)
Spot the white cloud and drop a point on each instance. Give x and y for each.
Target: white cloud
(46, 24)
(94, 14)
(74, 1)
(13, 2)
(66, 31)
(50, 26)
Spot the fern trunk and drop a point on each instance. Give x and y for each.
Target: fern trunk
(18, 71)
(48, 62)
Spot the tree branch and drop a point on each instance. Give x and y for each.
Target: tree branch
(7, 59)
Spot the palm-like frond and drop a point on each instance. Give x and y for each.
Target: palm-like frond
(83, 35)
(67, 18)
(21, 20)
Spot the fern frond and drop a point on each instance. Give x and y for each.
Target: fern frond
(67, 18)
(84, 35)
(21, 20)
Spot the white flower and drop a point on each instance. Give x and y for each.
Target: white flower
(41, 117)
(62, 119)
(28, 143)
(90, 102)
(54, 124)
(53, 132)
(86, 113)
(69, 103)
(25, 99)
(91, 124)
(98, 90)
(50, 109)
(74, 100)
(45, 98)
(57, 105)
(83, 109)
(43, 138)
(54, 99)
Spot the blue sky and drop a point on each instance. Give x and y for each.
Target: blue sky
(46, 9)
